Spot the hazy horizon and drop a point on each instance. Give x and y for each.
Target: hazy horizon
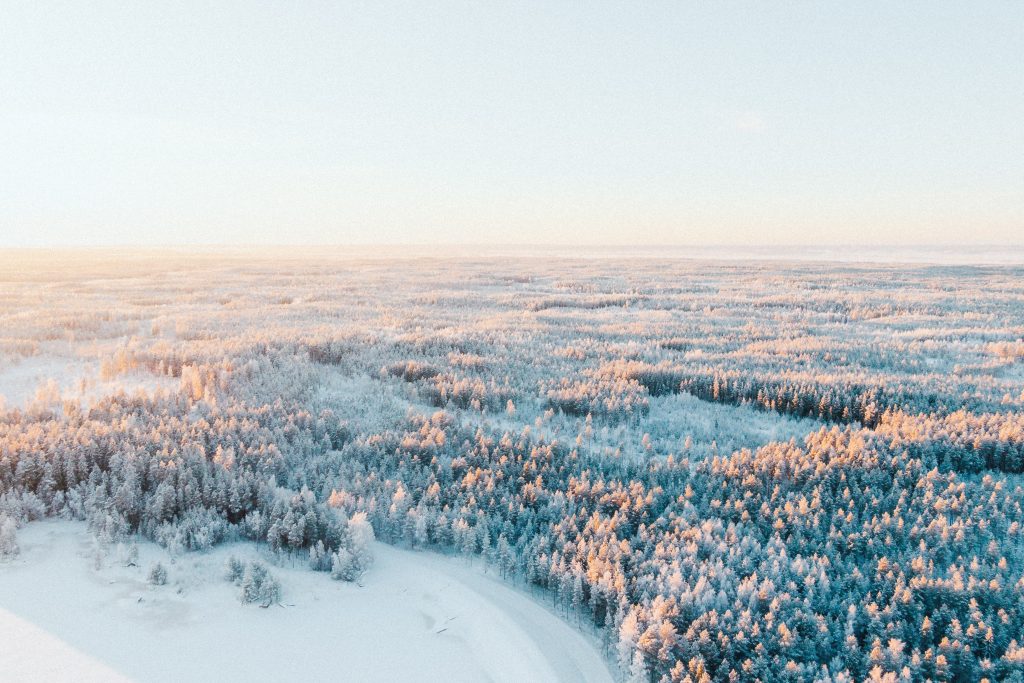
(167, 255)
(248, 123)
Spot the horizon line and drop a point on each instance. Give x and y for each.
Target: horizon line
(508, 245)
(1006, 255)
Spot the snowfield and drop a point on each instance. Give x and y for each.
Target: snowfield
(417, 616)
(49, 379)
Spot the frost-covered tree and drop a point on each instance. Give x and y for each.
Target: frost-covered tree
(8, 538)
(234, 570)
(345, 566)
(361, 538)
(157, 575)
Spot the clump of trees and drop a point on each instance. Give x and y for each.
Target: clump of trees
(412, 371)
(254, 581)
(257, 585)
(613, 399)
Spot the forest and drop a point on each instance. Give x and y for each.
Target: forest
(724, 471)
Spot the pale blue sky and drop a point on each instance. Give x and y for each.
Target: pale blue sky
(528, 122)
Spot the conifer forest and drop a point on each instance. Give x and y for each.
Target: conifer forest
(712, 470)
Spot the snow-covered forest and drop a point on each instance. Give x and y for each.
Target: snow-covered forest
(718, 471)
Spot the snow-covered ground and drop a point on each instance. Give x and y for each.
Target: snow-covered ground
(52, 378)
(417, 616)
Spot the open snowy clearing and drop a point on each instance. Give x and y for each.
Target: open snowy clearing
(416, 616)
(54, 378)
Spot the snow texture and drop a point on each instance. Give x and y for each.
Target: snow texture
(416, 617)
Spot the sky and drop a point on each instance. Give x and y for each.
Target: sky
(548, 122)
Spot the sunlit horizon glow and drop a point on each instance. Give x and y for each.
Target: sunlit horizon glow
(534, 124)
